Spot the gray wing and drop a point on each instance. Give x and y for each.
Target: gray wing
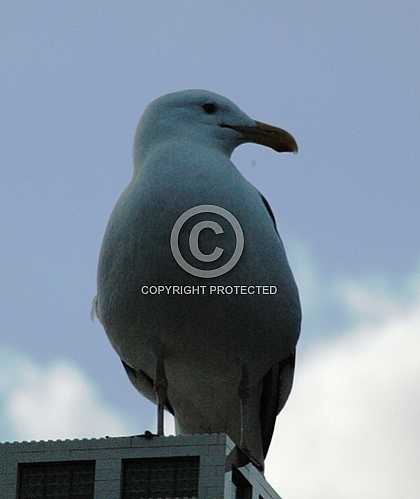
(270, 212)
(140, 380)
(277, 384)
(144, 384)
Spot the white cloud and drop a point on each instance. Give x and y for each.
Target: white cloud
(351, 426)
(52, 401)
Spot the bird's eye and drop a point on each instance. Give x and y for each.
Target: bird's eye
(209, 108)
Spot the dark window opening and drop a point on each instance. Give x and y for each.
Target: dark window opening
(150, 478)
(63, 480)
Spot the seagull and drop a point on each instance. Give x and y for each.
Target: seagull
(206, 336)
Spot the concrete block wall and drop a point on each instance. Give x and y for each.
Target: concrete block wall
(108, 454)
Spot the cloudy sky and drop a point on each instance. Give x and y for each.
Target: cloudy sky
(344, 78)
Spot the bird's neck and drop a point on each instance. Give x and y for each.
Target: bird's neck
(184, 151)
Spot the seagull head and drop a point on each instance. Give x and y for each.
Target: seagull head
(204, 118)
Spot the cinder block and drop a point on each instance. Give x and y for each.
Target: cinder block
(107, 489)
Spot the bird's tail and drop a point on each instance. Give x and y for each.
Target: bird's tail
(93, 309)
(238, 458)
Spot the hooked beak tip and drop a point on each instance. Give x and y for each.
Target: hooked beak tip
(267, 135)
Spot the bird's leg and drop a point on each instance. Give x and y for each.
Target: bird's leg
(160, 387)
(243, 393)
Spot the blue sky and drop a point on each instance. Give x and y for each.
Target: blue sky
(343, 77)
